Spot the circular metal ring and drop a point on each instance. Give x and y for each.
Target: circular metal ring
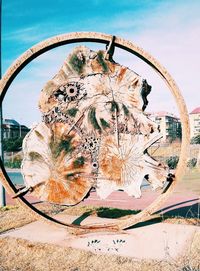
(75, 37)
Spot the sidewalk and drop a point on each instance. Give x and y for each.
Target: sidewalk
(185, 204)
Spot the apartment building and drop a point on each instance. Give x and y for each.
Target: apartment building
(12, 129)
(195, 122)
(169, 125)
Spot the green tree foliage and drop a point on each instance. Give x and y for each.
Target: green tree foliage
(179, 132)
(12, 144)
(195, 139)
(15, 163)
(172, 162)
(192, 162)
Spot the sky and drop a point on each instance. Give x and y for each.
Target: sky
(169, 30)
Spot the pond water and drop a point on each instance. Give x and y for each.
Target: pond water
(16, 177)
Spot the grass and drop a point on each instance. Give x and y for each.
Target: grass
(18, 254)
(12, 217)
(190, 182)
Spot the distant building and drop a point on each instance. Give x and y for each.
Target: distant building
(169, 125)
(195, 122)
(12, 129)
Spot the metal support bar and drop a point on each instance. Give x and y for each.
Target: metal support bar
(110, 48)
(170, 180)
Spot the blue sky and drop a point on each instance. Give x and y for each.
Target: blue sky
(28, 22)
(169, 30)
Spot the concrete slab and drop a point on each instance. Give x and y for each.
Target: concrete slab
(157, 241)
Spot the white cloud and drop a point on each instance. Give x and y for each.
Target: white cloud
(173, 38)
(170, 35)
(24, 35)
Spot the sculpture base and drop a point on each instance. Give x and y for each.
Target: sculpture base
(155, 241)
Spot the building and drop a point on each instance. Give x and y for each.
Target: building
(195, 122)
(169, 125)
(12, 129)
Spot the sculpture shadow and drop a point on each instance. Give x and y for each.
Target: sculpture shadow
(105, 212)
(187, 212)
(171, 211)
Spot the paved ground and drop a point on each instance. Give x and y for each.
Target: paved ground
(158, 241)
(183, 204)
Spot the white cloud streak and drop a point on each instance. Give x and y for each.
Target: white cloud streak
(168, 34)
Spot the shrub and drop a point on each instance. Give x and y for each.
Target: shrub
(12, 144)
(15, 163)
(192, 162)
(195, 139)
(172, 162)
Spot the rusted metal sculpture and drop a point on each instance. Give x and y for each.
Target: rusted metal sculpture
(94, 131)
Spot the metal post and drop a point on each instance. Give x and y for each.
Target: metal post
(2, 190)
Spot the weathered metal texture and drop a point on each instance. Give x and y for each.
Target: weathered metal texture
(103, 38)
(94, 133)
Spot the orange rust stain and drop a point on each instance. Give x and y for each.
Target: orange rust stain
(82, 185)
(121, 74)
(58, 129)
(62, 75)
(73, 193)
(60, 132)
(135, 82)
(71, 168)
(111, 66)
(44, 104)
(78, 189)
(57, 192)
(96, 67)
(133, 101)
(37, 189)
(109, 140)
(101, 89)
(111, 167)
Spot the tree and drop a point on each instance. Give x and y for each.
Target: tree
(195, 139)
(12, 144)
(172, 161)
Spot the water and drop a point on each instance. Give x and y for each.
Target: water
(16, 177)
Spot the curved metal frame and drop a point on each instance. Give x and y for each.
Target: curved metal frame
(75, 37)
